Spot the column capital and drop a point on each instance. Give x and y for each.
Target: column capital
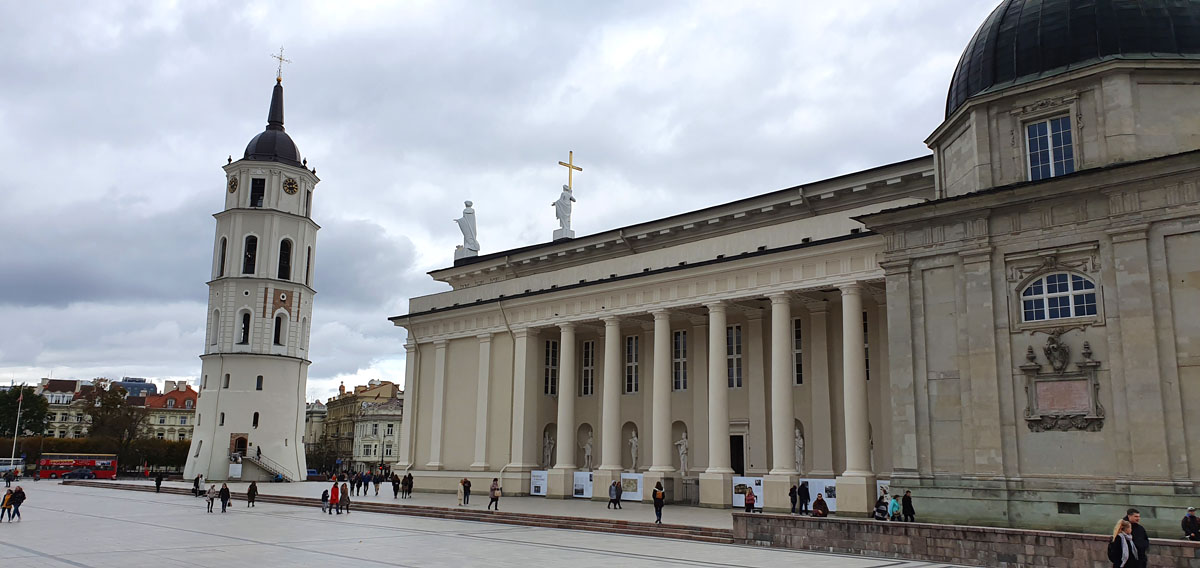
(611, 321)
(484, 337)
(410, 345)
(661, 315)
(716, 306)
(782, 297)
(567, 326)
(851, 289)
(440, 343)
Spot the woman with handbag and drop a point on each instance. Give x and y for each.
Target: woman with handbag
(494, 494)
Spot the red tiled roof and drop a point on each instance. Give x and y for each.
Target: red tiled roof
(59, 385)
(84, 391)
(179, 396)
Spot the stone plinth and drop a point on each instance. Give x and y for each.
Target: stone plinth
(716, 490)
(560, 234)
(855, 495)
(560, 483)
(775, 493)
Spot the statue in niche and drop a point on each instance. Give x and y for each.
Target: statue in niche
(799, 451)
(682, 446)
(1057, 352)
(466, 224)
(587, 453)
(547, 449)
(633, 449)
(562, 208)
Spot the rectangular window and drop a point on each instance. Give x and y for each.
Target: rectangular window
(375, 429)
(226, 383)
(258, 188)
(182, 436)
(389, 428)
(631, 364)
(162, 419)
(1051, 151)
(387, 450)
(679, 360)
(550, 377)
(183, 420)
(587, 376)
(258, 382)
(733, 355)
(160, 435)
(866, 348)
(797, 353)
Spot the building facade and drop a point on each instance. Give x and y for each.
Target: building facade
(1003, 327)
(377, 434)
(357, 422)
(65, 413)
(172, 414)
(255, 364)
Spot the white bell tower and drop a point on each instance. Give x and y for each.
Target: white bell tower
(255, 364)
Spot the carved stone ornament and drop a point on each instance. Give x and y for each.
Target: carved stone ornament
(1059, 399)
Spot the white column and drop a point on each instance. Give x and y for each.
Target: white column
(523, 403)
(439, 405)
(610, 410)
(854, 383)
(783, 414)
(718, 392)
(482, 400)
(407, 425)
(662, 446)
(565, 445)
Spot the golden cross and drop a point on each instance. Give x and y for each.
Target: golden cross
(571, 167)
(279, 72)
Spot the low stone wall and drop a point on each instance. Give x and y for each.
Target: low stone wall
(978, 546)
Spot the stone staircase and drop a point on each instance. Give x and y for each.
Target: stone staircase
(269, 466)
(680, 532)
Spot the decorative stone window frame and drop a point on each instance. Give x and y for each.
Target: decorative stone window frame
(1042, 416)
(1022, 269)
(1044, 109)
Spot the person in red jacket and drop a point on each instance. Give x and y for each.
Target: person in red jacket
(333, 499)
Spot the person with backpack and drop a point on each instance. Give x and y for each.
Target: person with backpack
(660, 499)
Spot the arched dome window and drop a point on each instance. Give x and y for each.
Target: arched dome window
(1058, 296)
(285, 259)
(250, 255)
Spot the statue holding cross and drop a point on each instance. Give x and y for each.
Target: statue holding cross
(562, 207)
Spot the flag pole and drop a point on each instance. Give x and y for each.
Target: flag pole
(17, 424)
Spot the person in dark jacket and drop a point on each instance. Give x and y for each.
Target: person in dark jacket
(325, 501)
(225, 496)
(1121, 551)
(18, 497)
(345, 501)
(820, 507)
(660, 499)
(251, 493)
(158, 479)
(793, 494)
(1190, 525)
(196, 486)
(466, 491)
(1141, 541)
(803, 496)
(906, 507)
(395, 486)
(612, 496)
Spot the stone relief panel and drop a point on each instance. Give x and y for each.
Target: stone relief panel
(1061, 398)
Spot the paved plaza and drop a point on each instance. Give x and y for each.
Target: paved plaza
(91, 527)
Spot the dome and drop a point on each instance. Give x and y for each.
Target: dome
(1026, 40)
(273, 144)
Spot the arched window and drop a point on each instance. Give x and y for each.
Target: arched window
(188, 404)
(245, 337)
(1058, 296)
(222, 420)
(254, 421)
(170, 403)
(225, 385)
(251, 253)
(285, 259)
(221, 266)
(258, 383)
(308, 267)
(216, 327)
(279, 330)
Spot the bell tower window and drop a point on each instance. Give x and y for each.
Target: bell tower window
(244, 339)
(308, 267)
(285, 259)
(221, 265)
(258, 189)
(251, 255)
(278, 330)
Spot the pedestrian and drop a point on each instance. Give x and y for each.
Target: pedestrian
(258, 452)
(333, 500)
(749, 499)
(906, 507)
(395, 486)
(881, 508)
(794, 495)
(411, 483)
(251, 493)
(345, 502)
(196, 486)
(158, 479)
(1190, 525)
(8, 478)
(620, 492)
(325, 501)
(211, 496)
(820, 508)
(466, 491)
(612, 497)
(6, 505)
(377, 479)
(1121, 550)
(894, 508)
(1140, 540)
(460, 491)
(225, 496)
(802, 495)
(17, 498)
(494, 494)
(660, 499)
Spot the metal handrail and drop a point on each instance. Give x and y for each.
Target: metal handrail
(269, 465)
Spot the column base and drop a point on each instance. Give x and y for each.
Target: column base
(855, 495)
(514, 483)
(480, 466)
(525, 467)
(775, 493)
(433, 466)
(668, 479)
(560, 483)
(716, 490)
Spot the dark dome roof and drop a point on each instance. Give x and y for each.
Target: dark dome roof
(273, 144)
(1024, 40)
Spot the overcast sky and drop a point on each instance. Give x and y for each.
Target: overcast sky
(116, 117)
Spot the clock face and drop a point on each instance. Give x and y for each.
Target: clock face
(290, 186)
(233, 183)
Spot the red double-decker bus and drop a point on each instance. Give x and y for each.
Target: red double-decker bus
(55, 466)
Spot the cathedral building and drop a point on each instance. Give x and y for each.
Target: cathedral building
(250, 413)
(1006, 327)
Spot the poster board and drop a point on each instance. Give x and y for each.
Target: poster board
(582, 485)
(826, 487)
(741, 485)
(631, 486)
(235, 471)
(538, 480)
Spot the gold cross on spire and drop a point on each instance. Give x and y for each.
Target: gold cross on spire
(571, 167)
(279, 72)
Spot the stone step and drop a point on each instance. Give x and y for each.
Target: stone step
(679, 532)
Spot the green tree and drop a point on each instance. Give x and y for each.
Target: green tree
(114, 419)
(34, 411)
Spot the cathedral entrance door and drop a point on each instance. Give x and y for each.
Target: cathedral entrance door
(737, 454)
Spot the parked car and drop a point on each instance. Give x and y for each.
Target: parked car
(314, 476)
(81, 473)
